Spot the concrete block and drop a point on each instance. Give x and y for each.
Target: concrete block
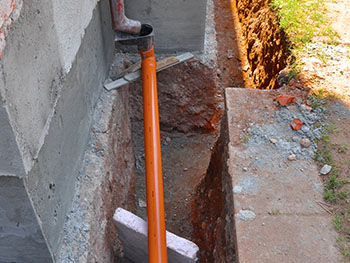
(21, 239)
(132, 231)
(276, 216)
(45, 119)
(178, 25)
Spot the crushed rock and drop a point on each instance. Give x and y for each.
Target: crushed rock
(246, 215)
(286, 140)
(325, 169)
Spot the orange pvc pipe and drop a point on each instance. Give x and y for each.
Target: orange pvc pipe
(157, 250)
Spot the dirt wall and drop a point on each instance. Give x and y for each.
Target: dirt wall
(264, 42)
(118, 189)
(212, 208)
(189, 98)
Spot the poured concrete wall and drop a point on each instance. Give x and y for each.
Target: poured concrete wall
(49, 83)
(54, 57)
(21, 239)
(178, 25)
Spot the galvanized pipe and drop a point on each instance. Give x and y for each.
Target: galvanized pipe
(120, 22)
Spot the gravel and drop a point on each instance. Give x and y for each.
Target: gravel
(325, 169)
(305, 142)
(289, 143)
(246, 215)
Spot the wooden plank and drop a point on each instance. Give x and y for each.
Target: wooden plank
(161, 65)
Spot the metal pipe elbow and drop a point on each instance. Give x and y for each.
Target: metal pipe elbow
(120, 22)
(126, 25)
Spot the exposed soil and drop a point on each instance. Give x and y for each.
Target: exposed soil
(265, 45)
(251, 53)
(212, 208)
(232, 59)
(185, 158)
(191, 107)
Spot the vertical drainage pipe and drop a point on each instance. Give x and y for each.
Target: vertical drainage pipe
(157, 250)
(142, 36)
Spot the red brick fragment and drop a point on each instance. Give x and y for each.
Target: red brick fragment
(296, 124)
(285, 99)
(307, 105)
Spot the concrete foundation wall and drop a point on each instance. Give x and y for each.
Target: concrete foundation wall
(21, 239)
(10, 159)
(45, 114)
(51, 181)
(178, 25)
(71, 18)
(52, 66)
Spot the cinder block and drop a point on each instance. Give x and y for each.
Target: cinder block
(132, 231)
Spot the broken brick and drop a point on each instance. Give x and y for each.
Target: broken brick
(285, 99)
(296, 124)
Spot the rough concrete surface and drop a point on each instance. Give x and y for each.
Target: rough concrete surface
(103, 184)
(31, 95)
(50, 112)
(132, 231)
(10, 158)
(21, 239)
(209, 55)
(178, 26)
(70, 27)
(9, 12)
(50, 183)
(277, 217)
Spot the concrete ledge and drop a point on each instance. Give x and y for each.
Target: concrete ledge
(276, 215)
(132, 231)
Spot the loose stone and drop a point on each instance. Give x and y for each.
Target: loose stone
(272, 140)
(246, 215)
(291, 157)
(325, 169)
(305, 142)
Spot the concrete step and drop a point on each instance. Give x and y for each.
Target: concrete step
(276, 200)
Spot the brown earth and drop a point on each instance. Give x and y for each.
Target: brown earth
(232, 60)
(265, 43)
(189, 98)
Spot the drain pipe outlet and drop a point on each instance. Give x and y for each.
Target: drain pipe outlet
(120, 22)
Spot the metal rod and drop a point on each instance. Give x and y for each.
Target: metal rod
(157, 250)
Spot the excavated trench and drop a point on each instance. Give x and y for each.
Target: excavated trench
(251, 51)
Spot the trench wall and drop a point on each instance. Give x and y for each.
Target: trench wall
(189, 98)
(265, 43)
(212, 207)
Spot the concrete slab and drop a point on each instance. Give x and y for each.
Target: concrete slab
(287, 239)
(277, 217)
(132, 231)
